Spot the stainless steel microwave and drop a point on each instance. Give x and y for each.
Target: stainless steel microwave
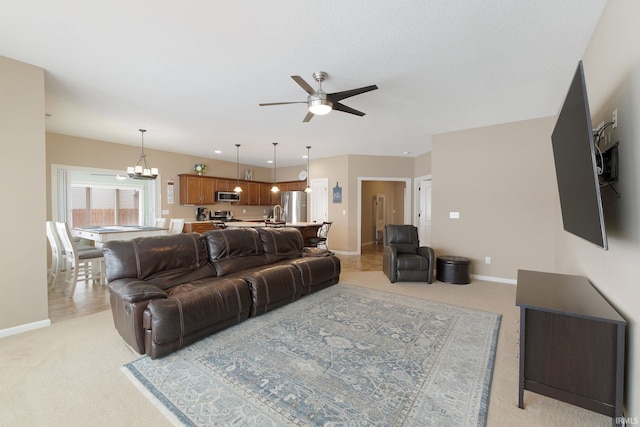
(227, 196)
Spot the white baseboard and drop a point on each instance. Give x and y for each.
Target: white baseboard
(24, 328)
(343, 252)
(495, 279)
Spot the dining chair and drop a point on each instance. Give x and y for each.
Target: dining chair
(176, 225)
(55, 273)
(79, 265)
(321, 236)
(161, 222)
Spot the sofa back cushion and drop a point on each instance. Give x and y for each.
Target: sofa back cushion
(164, 261)
(234, 249)
(281, 242)
(404, 237)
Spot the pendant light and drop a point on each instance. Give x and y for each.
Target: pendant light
(275, 188)
(238, 189)
(142, 170)
(308, 189)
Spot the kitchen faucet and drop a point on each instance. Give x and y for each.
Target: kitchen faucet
(277, 212)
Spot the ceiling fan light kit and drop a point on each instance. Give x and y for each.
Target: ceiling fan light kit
(319, 102)
(319, 105)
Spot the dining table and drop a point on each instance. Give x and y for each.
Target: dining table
(102, 234)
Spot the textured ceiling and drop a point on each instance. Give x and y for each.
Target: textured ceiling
(193, 72)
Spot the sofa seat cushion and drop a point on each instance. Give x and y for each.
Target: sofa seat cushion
(412, 262)
(233, 250)
(318, 272)
(272, 287)
(195, 306)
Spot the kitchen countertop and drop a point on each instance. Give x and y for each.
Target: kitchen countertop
(261, 224)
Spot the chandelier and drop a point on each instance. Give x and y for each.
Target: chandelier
(142, 170)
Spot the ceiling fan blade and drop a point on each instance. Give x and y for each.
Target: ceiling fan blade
(341, 107)
(308, 117)
(282, 103)
(304, 85)
(339, 96)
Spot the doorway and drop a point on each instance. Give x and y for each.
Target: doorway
(397, 193)
(319, 204)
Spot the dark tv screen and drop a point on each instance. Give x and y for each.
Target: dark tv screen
(575, 162)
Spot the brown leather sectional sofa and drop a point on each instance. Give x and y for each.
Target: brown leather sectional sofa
(170, 291)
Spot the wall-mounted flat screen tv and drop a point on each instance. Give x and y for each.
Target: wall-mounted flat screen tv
(575, 162)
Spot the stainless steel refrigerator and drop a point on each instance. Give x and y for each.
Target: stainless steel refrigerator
(294, 206)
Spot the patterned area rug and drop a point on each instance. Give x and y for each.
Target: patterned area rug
(347, 356)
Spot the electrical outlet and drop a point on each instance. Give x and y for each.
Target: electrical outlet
(454, 215)
(487, 260)
(614, 118)
(244, 211)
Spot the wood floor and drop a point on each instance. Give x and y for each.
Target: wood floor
(90, 298)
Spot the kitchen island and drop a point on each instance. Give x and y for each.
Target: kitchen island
(308, 229)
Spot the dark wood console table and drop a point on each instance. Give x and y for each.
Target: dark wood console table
(571, 343)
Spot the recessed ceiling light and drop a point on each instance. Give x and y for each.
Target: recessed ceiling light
(218, 152)
(407, 152)
(269, 161)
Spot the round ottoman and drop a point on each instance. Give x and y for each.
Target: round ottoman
(453, 269)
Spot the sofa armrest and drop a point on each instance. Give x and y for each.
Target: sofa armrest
(134, 290)
(390, 262)
(428, 253)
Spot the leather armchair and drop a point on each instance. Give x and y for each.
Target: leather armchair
(403, 259)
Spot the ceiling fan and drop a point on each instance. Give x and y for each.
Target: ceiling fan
(319, 102)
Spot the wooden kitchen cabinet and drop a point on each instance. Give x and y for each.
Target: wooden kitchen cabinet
(264, 194)
(225, 184)
(252, 190)
(197, 190)
(297, 185)
(198, 227)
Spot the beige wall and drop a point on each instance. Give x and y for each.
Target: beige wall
(22, 222)
(422, 165)
(73, 151)
(612, 73)
(501, 180)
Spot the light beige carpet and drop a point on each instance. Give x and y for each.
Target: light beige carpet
(69, 374)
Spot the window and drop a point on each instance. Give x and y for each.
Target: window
(91, 197)
(104, 206)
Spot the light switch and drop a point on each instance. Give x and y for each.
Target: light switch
(454, 215)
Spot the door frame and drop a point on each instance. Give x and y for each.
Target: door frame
(407, 203)
(416, 198)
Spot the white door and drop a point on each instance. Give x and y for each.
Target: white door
(380, 210)
(424, 221)
(319, 196)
